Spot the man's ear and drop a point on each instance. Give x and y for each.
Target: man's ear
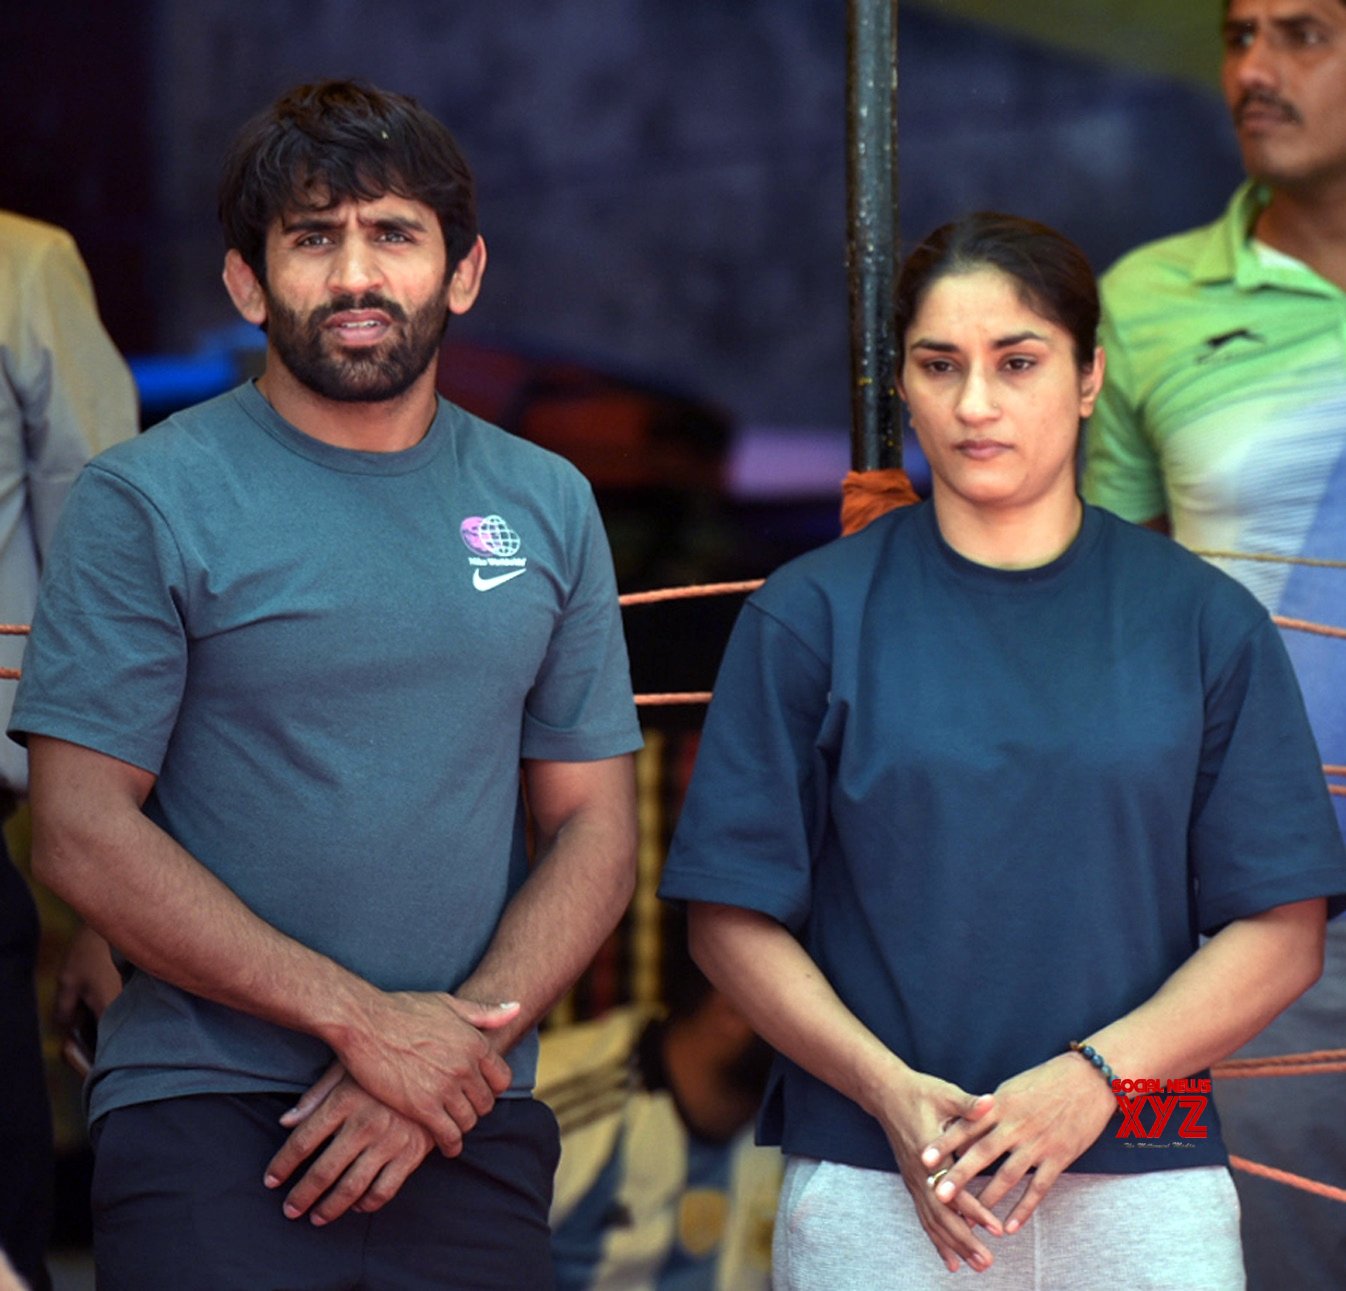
(465, 282)
(244, 288)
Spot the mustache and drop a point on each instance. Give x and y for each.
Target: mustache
(1262, 99)
(370, 300)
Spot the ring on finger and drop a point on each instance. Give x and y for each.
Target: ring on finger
(933, 1179)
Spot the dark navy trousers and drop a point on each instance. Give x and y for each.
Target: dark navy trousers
(179, 1203)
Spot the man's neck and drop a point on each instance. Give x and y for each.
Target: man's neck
(1311, 226)
(386, 426)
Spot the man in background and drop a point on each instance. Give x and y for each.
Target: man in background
(65, 394)
(1223, 421)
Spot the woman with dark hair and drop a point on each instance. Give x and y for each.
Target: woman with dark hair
(975, 783)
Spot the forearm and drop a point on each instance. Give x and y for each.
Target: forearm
(1227, 992)
(777, 986)
(169, 915)
(574, 897)
(1220, 997)
(773, 980)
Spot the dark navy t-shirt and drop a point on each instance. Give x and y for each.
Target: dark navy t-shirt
(998, 807)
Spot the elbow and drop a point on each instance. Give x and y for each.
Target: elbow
(614, 885)
(55, 857)
(1304, 946)
(706, 929)
(625, 881)
(86, 811)
(67, 848)
(1313, 959)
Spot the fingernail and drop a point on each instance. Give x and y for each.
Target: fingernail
(1013, 1226)
(944, 1190)
(270, 1181)
(508, 1004)
(318, 1221)
(290, 1211)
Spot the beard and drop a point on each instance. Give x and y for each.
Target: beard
(374, 375)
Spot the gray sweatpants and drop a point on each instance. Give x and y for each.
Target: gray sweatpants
(839, 1228)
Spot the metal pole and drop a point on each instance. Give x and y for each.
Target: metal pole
(872, 240)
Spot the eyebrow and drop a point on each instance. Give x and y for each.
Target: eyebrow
(317, 222)
(1284, 23)
(1003, 343)
(406, 223)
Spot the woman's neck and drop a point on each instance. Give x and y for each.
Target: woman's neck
(1009, 537)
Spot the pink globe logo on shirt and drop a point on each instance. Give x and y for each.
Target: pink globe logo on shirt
(489, 536)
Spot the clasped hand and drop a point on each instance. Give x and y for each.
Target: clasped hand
(1040, 1121)
(917, 1109)
(430, 1076)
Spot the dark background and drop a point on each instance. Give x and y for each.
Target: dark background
(662, 181)
(662, 190)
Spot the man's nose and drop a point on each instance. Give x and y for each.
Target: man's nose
(1255, 65)
(355, 268)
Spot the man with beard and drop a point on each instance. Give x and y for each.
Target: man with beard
(301, 657)
(1223, 421)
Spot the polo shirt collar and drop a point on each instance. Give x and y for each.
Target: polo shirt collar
(1230, 256)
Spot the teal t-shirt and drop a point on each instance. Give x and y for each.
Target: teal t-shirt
(333, 661)
(998, 807)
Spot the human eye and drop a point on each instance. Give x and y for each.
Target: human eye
(397, 233)
(1238, 36)
(936, 367)
(1020, 363)
(1305, 35)
(313, 238)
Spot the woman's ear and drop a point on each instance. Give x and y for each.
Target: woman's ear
(1091, 382)
(244, 288)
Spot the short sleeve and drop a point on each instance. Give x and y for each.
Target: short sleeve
(1122, 471)
(1263, 831)
(106, 660)
(580, 707)
(756, 805)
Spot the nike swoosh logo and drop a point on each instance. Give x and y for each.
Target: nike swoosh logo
(485, 584)
(1214, 344)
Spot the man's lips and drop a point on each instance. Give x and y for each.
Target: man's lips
(1259, 111)
(359, 327)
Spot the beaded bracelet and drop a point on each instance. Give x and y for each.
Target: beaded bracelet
(1088, 1052)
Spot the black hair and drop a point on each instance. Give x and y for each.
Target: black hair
(336, 141)
(1052, 273)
